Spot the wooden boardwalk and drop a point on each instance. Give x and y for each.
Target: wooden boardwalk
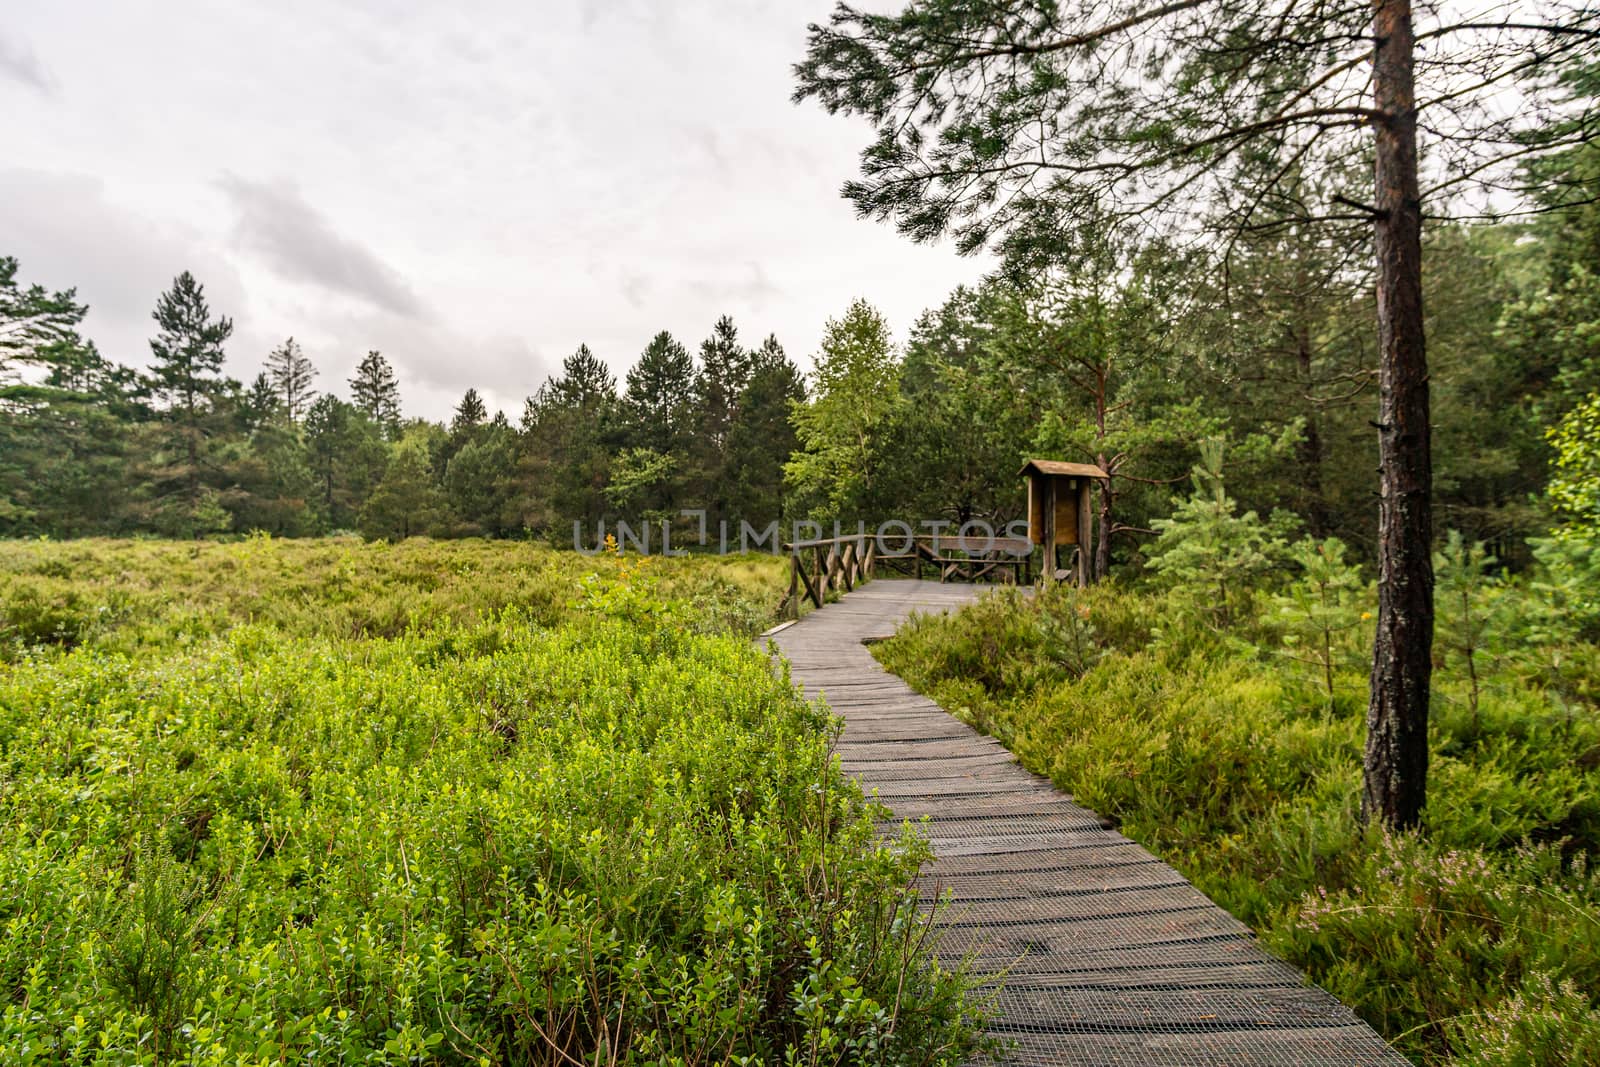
(1110, 956)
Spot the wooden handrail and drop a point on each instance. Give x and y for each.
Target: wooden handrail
(820, 565)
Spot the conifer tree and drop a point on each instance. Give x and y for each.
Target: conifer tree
(262, 402)
(724, 372)
(1036, 124)
(569, 430)
(291, 374)
(186, 378)
(660, 395)
(33, 321)
(469, 414)
(762, 436)
(376, 393)
(406, 501)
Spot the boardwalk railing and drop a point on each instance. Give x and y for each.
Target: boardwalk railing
(839, 564)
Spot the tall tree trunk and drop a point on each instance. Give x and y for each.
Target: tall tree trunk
(1396, 764)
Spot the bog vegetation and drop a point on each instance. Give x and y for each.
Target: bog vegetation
(465, 803)
(401, 800)
(1214, 709)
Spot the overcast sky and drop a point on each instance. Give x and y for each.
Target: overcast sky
(473, 188)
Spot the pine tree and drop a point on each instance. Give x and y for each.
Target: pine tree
(346, 455)
(405, 502)
(469, 414)
(262, 403)
(479, 481)
(585, 381)
(60, 438)
(376, 393)
(660, 395)
(187, 378)
(724, 372)
(291, 374)
(762, 436)
(33, 321)
(1208, 552)
(1033, 124)
(569, 430)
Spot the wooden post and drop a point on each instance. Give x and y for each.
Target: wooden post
(793, 600)
(1048, 571)
(1085, 534)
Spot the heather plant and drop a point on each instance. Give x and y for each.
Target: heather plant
(131, 595)
(1475, 939)
(564, 812)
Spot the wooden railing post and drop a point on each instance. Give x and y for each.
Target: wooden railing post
(793, 599)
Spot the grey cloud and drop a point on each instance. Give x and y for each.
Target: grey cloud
(635, 289)
(277, 224)
(67, 232)
(19, 63)
(434, 361)
(754, 287)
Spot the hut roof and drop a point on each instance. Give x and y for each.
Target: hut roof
(1059, 468)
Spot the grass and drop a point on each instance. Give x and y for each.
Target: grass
(1228, 752)
(434, 803)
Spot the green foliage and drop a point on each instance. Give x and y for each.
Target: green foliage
(1320, 611)
(1208, 554)
(1466, 610)
(1575, 485)
(405, 502)
(124, 596)
(376, 393)
(1568, 580)
(555, 812)
(841, 430)
(1473, 940)
(291, 373)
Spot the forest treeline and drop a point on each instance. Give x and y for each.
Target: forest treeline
(1128, 361)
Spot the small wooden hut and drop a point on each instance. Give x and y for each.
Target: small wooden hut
(1058, 513)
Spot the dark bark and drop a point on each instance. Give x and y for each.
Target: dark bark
(1396, 764)
(1102, 547)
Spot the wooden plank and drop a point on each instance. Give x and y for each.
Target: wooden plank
(1348, 1046)
(1083, 931)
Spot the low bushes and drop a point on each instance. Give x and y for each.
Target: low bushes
(594, 827)
(1233, 749)
(142, 594)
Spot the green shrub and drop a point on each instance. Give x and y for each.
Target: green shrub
(1475, 939)
(582, 825)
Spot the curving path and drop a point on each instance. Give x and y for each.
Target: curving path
(1111, 957)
